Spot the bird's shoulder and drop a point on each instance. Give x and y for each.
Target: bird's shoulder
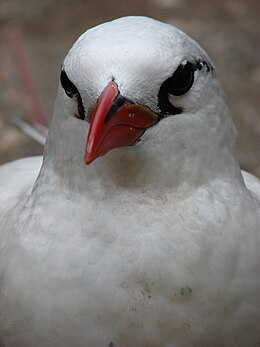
(253, 184)
(16, 179)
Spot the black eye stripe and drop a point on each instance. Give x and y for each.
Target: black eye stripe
(166, 107)
(179, 84)
(68, 86)
(72, 91)
(181, 81)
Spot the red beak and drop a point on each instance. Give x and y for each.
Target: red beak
(115, 122)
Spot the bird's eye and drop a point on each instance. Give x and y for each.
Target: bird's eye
(178, 84)
(67, 85)
(181, 81)
(72, 91)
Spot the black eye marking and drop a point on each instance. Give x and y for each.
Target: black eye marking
(67, 85)
(72, 91)
(200, 64)
(179, 84)
(181, 81)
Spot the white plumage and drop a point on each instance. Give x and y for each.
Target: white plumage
(155, 244)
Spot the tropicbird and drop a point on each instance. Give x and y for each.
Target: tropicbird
(156, 241)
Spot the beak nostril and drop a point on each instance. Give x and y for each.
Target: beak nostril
(117, 103)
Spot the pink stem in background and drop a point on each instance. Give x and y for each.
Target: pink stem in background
(22, 65)
(10, 79)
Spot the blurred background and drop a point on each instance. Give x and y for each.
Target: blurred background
(35, 36)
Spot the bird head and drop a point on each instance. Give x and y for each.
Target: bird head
(141, 84)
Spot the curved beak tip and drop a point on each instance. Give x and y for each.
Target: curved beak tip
(88, 160)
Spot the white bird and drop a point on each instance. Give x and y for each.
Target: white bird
(151, 245)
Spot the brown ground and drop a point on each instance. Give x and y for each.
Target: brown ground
(228, 30)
